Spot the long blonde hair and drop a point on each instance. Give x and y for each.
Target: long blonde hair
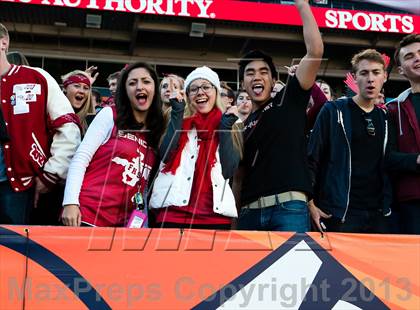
(236, 129)
(87, 107)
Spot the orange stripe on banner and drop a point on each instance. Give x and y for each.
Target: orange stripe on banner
(393, 296)
(46, 292)
(12, 274)
(364, 248)
(256, 241)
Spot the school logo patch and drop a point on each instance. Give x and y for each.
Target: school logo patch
(133, 169)
(36, 152)
(23, 94)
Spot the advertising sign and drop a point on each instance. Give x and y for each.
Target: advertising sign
(247, 11)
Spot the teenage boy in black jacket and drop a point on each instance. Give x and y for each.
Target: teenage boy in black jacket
(346, 155)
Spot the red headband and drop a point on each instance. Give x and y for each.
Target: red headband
(77, 78)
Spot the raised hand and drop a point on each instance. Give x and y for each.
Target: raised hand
(308, 67)
(175, 93)
(232, 110)
(90, 71)
(351, 83)
(291, 70)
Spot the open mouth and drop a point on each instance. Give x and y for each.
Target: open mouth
(141, 98)
(201, 101)
(79, 97)
(258, 89)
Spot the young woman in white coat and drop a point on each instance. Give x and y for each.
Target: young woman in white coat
(199, 154)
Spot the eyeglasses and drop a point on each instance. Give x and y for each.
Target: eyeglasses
(193, 90)
(370, 128)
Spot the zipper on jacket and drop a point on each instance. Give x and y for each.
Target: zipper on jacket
(348, 145)
(385, 137)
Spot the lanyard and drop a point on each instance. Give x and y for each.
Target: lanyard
(139, 199)
(252, 125)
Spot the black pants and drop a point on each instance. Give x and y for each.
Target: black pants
(410, 217)
(49, 208)
(360, 221)
(15, 207)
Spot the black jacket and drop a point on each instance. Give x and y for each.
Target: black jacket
(329, 156)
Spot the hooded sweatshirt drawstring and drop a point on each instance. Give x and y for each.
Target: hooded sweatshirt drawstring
(399, 117)
(401, 98)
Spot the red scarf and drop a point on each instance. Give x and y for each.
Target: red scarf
(206, 126)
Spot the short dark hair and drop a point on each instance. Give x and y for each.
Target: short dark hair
(256, 55)
(230, 92)
(322, 82)
(407, 40)
(113, 76)
(240, 90)
(17, 58)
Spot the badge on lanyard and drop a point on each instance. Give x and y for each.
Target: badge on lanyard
(138, 201)
(137, 219)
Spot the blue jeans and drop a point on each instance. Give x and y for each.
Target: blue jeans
(15, 207)
(287, 216)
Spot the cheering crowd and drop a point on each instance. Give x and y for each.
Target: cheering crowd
(192, 153)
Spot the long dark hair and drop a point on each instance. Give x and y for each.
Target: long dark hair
(125, 118)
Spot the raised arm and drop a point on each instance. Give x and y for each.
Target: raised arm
(173, 131)
(229, 154)
(309, 65)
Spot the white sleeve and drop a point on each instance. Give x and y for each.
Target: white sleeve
(67, 137)
(97, 134)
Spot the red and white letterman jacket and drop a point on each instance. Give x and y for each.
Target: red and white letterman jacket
(42, 127)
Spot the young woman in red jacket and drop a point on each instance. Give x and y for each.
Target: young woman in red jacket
(109, 173)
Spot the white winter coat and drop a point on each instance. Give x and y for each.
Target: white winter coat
(175, 189)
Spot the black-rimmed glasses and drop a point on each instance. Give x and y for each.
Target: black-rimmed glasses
(193, 90)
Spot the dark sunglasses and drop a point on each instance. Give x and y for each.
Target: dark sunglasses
(370, 128)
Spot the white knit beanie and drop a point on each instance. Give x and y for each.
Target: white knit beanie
(203, 73)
